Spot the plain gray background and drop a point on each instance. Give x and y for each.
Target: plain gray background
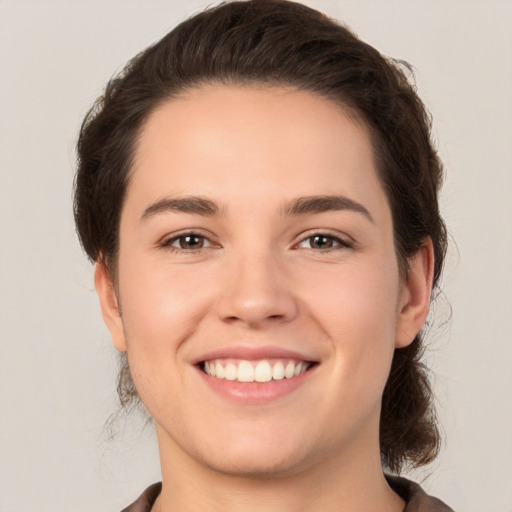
(57, 366)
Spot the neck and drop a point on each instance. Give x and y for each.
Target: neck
(354, 482)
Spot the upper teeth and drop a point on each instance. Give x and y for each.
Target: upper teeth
(254, 371)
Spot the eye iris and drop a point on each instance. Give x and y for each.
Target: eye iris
(191, 241)
(321, 242)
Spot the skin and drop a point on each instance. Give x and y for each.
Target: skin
(259, 280)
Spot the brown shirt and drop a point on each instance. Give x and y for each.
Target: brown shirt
(416, 498)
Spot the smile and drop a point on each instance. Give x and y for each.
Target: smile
(254, 371)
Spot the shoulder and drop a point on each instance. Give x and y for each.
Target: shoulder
(146, 500)
(416, 498)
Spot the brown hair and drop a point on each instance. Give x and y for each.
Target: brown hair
(277, 42)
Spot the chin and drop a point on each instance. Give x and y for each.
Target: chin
(263, 456)
(256, 466)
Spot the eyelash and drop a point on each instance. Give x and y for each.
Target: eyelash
(168, 242)
(340, 243)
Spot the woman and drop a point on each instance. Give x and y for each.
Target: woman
(259, 193)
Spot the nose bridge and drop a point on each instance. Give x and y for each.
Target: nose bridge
(256, 288)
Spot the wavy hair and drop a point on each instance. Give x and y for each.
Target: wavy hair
(278, 42)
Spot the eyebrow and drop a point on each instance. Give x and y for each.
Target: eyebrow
(188, 204)
(321, 204)
(297, 207)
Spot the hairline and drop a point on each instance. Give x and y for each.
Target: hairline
(356, 116)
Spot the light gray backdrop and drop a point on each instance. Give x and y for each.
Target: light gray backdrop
(57, 367)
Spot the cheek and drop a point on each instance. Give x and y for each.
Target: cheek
(361, 297)
(161, 311)
(357, 309)
(161, 305)
(357, 332)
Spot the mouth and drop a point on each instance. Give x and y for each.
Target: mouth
(260, 371)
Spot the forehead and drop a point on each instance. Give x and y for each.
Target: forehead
(252, 142)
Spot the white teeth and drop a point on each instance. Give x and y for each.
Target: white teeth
(289, 372)
(219, 371)
(250, 371)
(245, 372)
(230, 373)
(263, 372)
(278, 371)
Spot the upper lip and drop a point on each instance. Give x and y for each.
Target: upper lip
(251, 353)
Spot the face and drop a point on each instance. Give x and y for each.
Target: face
(258, 288)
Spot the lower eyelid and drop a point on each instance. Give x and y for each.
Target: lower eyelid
(168, 242)
(340, 242)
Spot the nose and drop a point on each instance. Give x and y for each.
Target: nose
(256, 292)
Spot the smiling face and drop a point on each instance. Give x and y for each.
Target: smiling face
(258, 284)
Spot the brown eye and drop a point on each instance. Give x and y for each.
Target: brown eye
(325, 242)
(187, 242)
(321, 242)
(191, 242)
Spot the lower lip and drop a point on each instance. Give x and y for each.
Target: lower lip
(255, 392)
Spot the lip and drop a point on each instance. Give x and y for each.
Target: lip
(253, 353)
(254, 393)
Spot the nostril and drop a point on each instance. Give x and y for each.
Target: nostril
(253, 298)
